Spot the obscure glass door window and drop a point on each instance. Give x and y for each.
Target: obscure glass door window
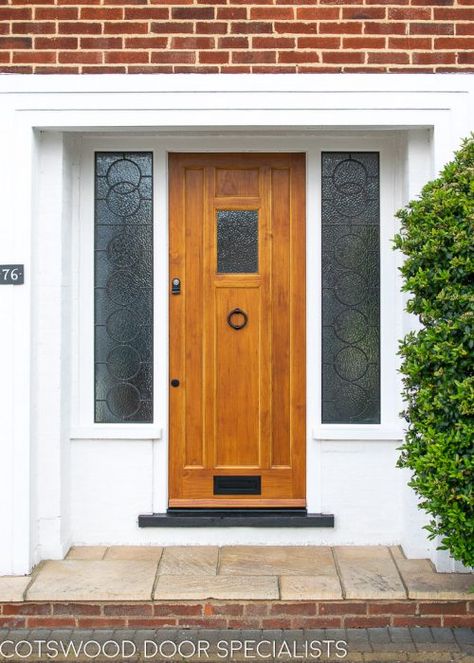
(123, 293)
(350, 288)
(237, 241)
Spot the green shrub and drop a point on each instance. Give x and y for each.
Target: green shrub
(437, 238)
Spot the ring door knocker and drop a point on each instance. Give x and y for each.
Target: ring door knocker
(243, 314)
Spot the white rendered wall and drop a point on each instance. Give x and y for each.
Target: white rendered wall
(58, 487)
(112, 482)
(51, 341)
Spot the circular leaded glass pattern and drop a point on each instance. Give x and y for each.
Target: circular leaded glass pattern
(123, 251)
(123, 400)
(351, 288)
(122, 172)
(351, 363)
(352, 401)
(124, 287)
(350, 325)
(123, 199)
(350, 182)
(352, 205)
(350, 177)
(123, 325)
(123, 362)
(349, 250)
(351, 299)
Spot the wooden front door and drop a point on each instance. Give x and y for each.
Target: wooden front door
(237, 330)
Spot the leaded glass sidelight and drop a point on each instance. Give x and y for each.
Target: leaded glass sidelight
(123, 294)
(350, 288)
(237, 241)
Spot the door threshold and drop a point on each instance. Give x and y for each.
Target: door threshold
(236, 518)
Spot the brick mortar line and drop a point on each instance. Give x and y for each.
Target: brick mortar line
(150, 33)
(275, 34)
(455, 46)
(216, 19)
(295, 67)
(388, 47)
(118, 6)
(306, 21)
(306, 50)
(169, 67)
(328, 19)
(38, 7)
(248, 601)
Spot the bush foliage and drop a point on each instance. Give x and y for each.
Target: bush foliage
(437, 238)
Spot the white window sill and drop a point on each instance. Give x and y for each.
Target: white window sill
(114, 432)
(357, 432)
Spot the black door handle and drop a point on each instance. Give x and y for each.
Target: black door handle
(236, 325)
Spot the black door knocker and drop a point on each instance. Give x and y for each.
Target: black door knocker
(237, 311)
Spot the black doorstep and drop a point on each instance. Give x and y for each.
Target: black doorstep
(236, 518)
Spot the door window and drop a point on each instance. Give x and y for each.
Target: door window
(237, 241)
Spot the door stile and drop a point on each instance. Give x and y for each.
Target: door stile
(177, 338)
(209, 326)
(193, 324)
(298, 317)
(266, 285)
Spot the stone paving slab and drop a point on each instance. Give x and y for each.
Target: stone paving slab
(369, 573)
(405, 565)
(216, 587)
(87, 552)
(307, 588)
(302, 572)
(12, 588)
(189, 561)
(439, 586)
(135, 553)
(90, 580)
(277, 560)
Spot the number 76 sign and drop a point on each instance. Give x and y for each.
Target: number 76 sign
(12, 274)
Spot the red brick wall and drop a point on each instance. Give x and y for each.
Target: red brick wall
(238, 614)
(236, 36)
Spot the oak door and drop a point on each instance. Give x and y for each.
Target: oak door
(237, 330)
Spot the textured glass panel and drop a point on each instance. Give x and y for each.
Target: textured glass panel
(350, 288)
(123, 287)
(237, 241)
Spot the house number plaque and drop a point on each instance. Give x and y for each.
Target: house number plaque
(12, 274)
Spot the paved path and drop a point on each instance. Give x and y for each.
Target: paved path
(288, 573)
(375, 645)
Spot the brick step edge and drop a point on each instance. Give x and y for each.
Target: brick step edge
(237, 614)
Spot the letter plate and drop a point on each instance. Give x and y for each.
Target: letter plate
(238, 485)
